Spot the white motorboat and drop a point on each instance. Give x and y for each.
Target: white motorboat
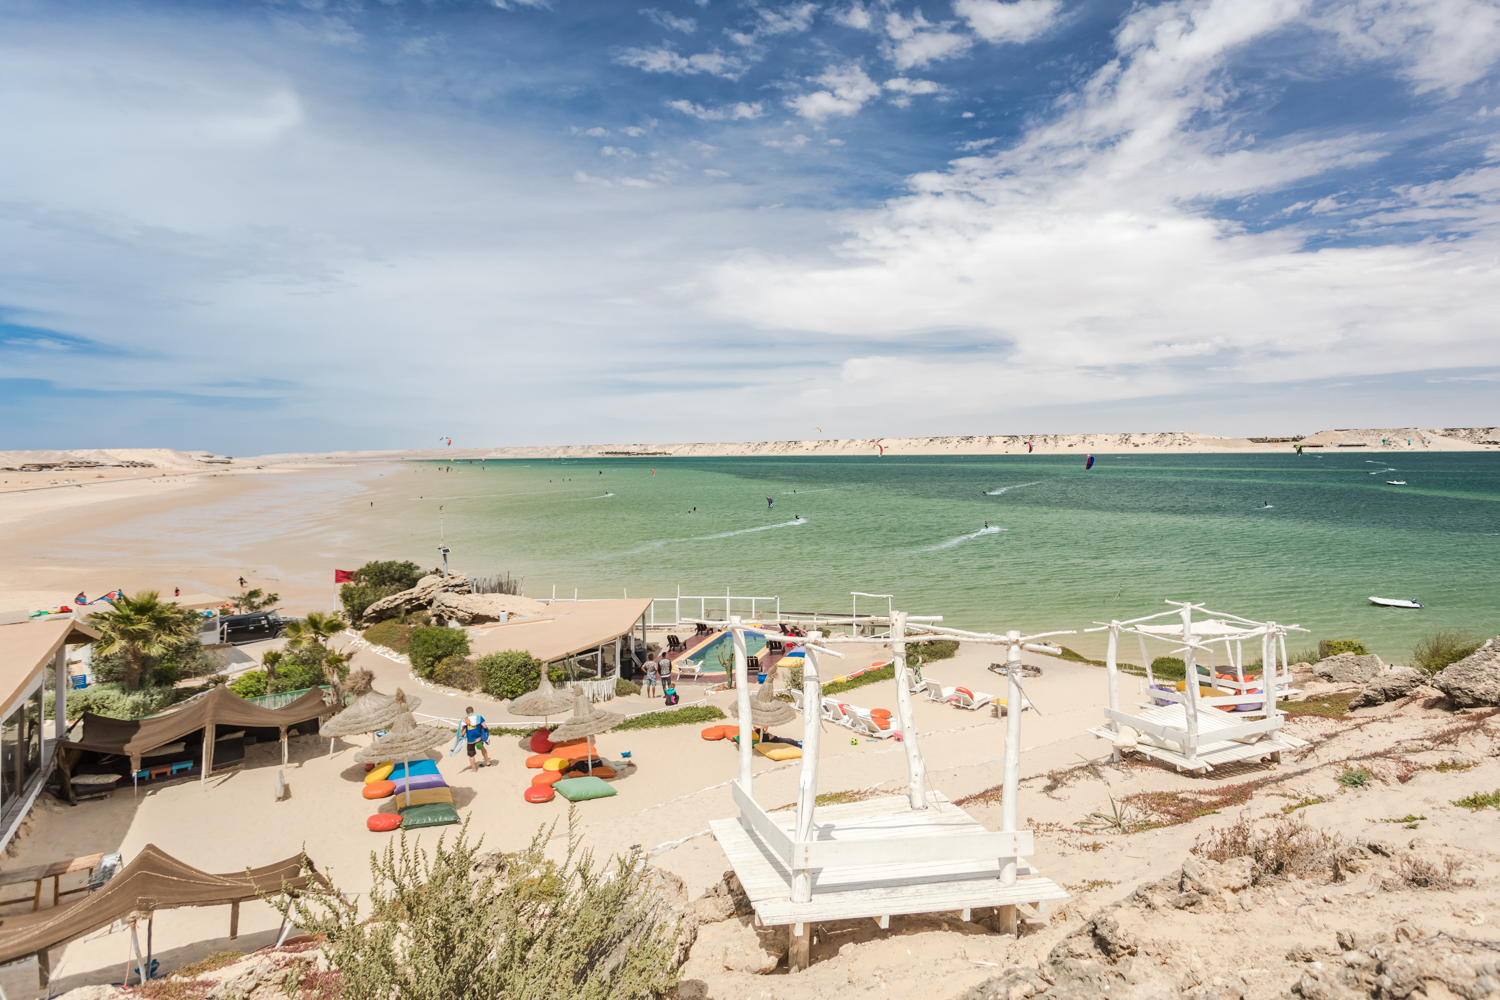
(1393, 602)
(1395, 482)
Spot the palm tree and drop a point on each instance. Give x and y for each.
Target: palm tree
(315, 630)
(333, 665)
(142, 626)
(271, 659)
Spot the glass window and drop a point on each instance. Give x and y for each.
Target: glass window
(10, 741)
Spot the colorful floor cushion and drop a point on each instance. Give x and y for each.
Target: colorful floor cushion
(548, 778)
(437, 814)
(419, 781)
(539, 793)
(556, 764)
(715, 732)
(423, 797)
(779, 751)
(415, 766)
(379, 789)
(380, 773)
(573, 751)
(599, 771)
(538, 759)
(581, 789)
(383, 822)
(541, 741)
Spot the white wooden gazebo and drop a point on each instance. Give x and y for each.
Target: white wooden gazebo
(899, 854)
(1187, 728)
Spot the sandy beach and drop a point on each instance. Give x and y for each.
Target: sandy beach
(110, 534)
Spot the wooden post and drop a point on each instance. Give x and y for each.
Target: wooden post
(208, 753)
(916, 768)
(59, 698)
(807, 782)
(1010, 790)
(283, 746)
(234, 920)
(799, 946)
(1114, 674)
(742, 699)
(1268, 671)
(43, 968)
(1190, 686)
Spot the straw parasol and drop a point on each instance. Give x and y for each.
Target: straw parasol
(546, 701)
(766, 711)
(369, 712)
(404, 741)
(588, 722)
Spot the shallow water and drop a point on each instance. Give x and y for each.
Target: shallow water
(1063, 546)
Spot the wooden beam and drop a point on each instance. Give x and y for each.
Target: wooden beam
(916, 767)
(799, 946)
(807, 781)
(234, 920)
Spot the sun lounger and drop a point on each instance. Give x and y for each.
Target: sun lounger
(936, 691)
(972, 700)
(834, 712)
(796, 699)
(861, 721)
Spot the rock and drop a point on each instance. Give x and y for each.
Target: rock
(418, 598)
(1474, 680)
(94, 993)
(666, 905)
(1347, 668)
(1397, 682)
(736, 945)
(475, 609)
(724, 899)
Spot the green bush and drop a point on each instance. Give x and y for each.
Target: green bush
(873, 677)
(1168, 668)
(375, 580)
(299, 669)
(1333, 647)
(458, 672)
(392, 634)
(183, 660)
(1434, 652)
(672, 717)
(112, 700)
(249, 685)
(514, 672)
(932, 650)
(429, 645)
(624, 688)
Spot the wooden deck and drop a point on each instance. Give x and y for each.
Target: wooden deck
(1216, 730)
(876, 890)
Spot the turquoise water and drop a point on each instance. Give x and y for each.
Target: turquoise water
(1065, 546)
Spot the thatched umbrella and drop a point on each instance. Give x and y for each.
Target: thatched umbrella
(546, 701)
(369, 712)
(587, 721)
(404, 741)
(766, 711)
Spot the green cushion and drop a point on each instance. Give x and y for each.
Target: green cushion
(578, 789)
(436, 814)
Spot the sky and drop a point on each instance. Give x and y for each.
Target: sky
(301, 226)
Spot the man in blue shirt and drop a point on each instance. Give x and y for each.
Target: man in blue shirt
(477, 734)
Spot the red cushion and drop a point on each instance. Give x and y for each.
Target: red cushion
(541, 741)
(379, 789)
(539, 793)
(881, 713)
(369, 768)
(383, 822)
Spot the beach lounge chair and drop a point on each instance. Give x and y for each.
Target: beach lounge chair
(685, 664)
(936, 691)
(796, 699)
(673, 644)
(862, 722)
(834, 712)
(775, 646)
(972, 700)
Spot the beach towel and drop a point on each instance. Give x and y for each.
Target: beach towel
(416, 766)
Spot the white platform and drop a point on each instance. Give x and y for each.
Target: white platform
(847, 893)
(1173, 720)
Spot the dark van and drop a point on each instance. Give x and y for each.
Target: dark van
(235, 629)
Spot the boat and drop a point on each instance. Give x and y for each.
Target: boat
(1393, 602)
(1395, 482)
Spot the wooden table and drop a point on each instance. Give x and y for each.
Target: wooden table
(55, 871)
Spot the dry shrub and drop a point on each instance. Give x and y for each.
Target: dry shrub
(1173, 808)
(212, 963)
(1287, 848)
(1416, 872)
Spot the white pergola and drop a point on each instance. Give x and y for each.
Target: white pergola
(899, 854)
(1193, 732)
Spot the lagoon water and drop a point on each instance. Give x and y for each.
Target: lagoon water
(1063, 547)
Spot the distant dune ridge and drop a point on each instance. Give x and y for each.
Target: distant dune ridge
(1376, 439)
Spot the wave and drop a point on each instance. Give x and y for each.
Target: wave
(991, 530)
(826, 489)
(576, 499)
(746, 531)
(1007, 489)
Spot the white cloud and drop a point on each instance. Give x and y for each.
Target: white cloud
(906, 89)
(664, 60)
(634, 131)
(847, 88)
(671, 22)
(621, 151)
(855, 16)
(1014, 21)
(731, 112)
(915, 41)
(716, 173)
(1084, 253)
(795, 142)
(1440, 44)
(789, 20)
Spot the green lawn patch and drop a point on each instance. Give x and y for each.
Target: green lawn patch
(1480, 800)
(886, 673)
(1329, 706)
(672, 717)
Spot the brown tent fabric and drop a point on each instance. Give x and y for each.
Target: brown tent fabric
(153, 881)
(135, 737)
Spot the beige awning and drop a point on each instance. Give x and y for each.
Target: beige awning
(27, 647)
(570, 627)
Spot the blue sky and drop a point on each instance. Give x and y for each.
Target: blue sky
(305, 226)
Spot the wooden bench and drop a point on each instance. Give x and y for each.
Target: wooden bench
(55, 871)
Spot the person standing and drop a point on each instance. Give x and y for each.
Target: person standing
(477, 734)
(650, 678)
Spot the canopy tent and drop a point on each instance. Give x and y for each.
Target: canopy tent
(134, 738)
(153, 881)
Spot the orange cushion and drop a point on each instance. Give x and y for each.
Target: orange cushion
(880, 713)
(604, 772)
(571, 751)
(539, 793)
(713, 733)
(548, 778)
(538, 759)
(383, 822)
(379, 789)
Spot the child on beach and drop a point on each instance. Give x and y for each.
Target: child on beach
(650, 678)
(477, 734)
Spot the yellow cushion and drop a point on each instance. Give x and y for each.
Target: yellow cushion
(423, 797)
(381, 772)
(1204, 691)
(779, 751)
(556, 764)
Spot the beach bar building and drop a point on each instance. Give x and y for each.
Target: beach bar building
(27, 754)
(597, 630)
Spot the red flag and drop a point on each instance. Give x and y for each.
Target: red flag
(343, 576)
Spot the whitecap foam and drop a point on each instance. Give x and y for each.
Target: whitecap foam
(746, 531)
(1007, 489)
(991, 530)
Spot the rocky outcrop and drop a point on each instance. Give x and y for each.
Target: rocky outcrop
(1373, 964)
(1397, 682)
(476, 609)
(724, 899)
(736, 945)
(1349, 668)
(418, 598)
(1100, 959)
(1474, 680)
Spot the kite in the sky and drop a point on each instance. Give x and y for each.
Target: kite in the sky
(1028, 447)
(881, 447)
(1088, 462)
